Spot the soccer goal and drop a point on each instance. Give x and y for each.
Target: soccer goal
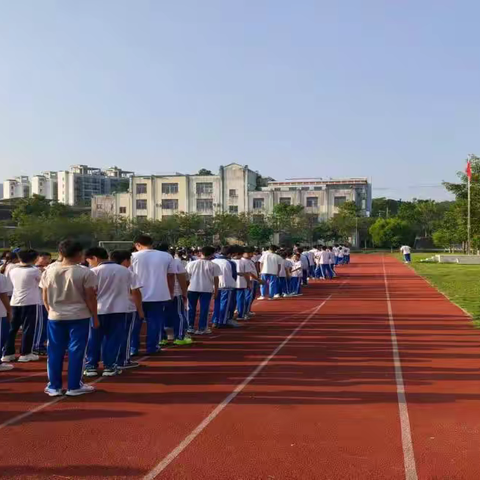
(110, 246)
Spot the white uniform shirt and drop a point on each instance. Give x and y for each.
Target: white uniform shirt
(283, 272)
(304, 261)
(152, 267)
(250, 267)
(270, 262)
(114, 284)
(311, 257)
(324, 257)
(135, 284)
(5, 287)
(340, 253)
(180, 269)
(346, 251)
(405, 249)
(297, 265)
(8, 270)
(288, 264)
(202, 273)
(331, 258)
(25, 281)
(242, 267)
(225, 280)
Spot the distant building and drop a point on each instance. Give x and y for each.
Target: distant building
(155, 197)
(17, 187)
(46, 185)
(78, 185)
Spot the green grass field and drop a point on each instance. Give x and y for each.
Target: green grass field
(460, 283)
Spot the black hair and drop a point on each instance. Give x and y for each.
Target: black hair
(98, 252)
(144, 240)
(119, 256)
(248, 250)
(69, 248)
(208, 251)
(45, 254)
(273, 248)
(162, 247)
(27, 256)
(226, 251)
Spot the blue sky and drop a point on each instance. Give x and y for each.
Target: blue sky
(377, 88)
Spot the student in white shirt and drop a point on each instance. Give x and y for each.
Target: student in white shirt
(270, 264)
(305, 265)
(114, 286)
(297, 275)
(10, 262)
(250, 257)
(204, 282)
(156, 273)
(226, 286)
(311, 263)
(134, 312)
(25, 304)
(44, 259)
(242, 284)
(324, 261)
(407, 253)
(282, 277)
(5, 318)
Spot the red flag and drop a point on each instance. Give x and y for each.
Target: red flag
(468, 170)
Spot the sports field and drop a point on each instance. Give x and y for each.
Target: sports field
(372, 376)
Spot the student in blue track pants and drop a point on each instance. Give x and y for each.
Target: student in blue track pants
(221, 311)
(115, 284)
(270, 265)
(203, 284)
(226, 285)
(70, 298)
(5, 315)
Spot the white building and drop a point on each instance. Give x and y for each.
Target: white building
(78, 185)
(46, 185)
(17, 187)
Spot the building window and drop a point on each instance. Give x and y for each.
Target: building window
(292, 189)
(204, 205)
(170, 204)
(232, 193)
(286, 200)
(258, 203)
(141, 217)
(141, 204)
(169, 188)
(277, 189)
(123, 210)
(141, 188)
(312, 201)
(339, 201)
(204, 188)
(317, 188)
(233, 209)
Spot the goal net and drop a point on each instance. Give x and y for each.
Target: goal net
(110, 246)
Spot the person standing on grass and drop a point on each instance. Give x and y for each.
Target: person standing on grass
(114, 286)
(25, 304)
(156, 271)
(71, 302)
(204, 282)
(135, 309)
(270, 265)
(5, 318)
(407, 253)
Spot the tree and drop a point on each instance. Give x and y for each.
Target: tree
(205, 172)
(345, 221)
(385, 207)
(288, 222)
(391, 232)
(262, 181)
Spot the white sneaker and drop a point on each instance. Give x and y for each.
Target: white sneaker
(233, 323)
(261, 298)
(80, 391)
(31, 357)
(5, 367)
(8, 358)
(277, 295)
(51, 392)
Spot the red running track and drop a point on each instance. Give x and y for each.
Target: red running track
(310, 389)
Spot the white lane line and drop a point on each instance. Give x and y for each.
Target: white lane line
(43, 406)
(219, 408)
(407, 444)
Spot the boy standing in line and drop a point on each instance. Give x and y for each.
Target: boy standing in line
(282, 277)
(156, 272)
(114, 284)
(243, 283)
(135, 309)
(5, 317)
(25, 304)
(297, 275)
(325, 264)
(305, 265)
(70, 299)
(44, 259)
(226, 285)
(203, 275)
(270, 269)
(253, 273)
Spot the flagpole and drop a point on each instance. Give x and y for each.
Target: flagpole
(469, 226)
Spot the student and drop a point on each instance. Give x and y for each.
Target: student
(254, 278)
(331, 258)
(135, 309)
(226, 286)
(5, 318)
(407, 255)
(297, 275)
(305, 266)
(156, 273)
(340, 255)
(71, 302)
(203, 275)
(270, 269)
(311, 263)
(44, 259)
(243, 282)
(25, 303)
(325, 264)
(177, 313)
(282, 277)
(114, 285)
